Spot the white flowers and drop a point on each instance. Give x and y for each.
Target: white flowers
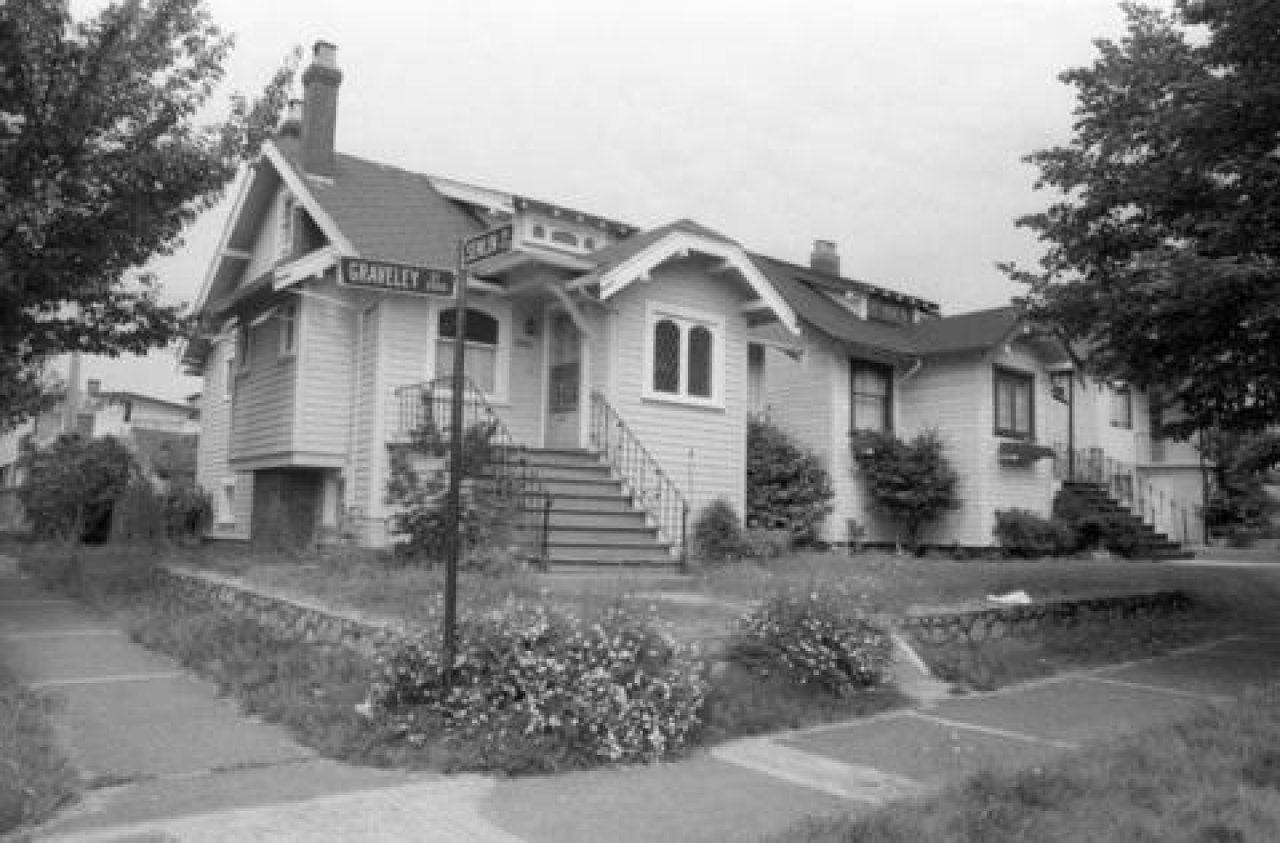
(615, 689)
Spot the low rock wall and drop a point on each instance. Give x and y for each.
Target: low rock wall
(984, 624)
(291, 618)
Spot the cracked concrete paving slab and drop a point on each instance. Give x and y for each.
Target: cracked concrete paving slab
(443, 811)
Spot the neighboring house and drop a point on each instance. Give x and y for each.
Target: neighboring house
(628, 361)
(162, 435)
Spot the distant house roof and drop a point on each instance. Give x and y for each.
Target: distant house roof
(794, 284)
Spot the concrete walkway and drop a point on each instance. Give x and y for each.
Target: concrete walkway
(171, 761)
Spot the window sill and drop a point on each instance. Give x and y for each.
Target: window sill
(1014, 435)
(683, 401)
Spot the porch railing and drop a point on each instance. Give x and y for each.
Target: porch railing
(1173, 517)
(424, 416)
(643, 480)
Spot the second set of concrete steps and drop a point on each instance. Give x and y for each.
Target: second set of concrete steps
(592, 522)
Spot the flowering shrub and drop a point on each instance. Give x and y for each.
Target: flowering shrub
(537, 690)
(819, 638)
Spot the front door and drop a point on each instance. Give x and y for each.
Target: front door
(564, 372)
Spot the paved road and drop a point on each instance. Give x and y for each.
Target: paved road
(177, 763)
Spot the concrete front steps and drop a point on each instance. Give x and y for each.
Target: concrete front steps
(593, 524)
(1153, 545)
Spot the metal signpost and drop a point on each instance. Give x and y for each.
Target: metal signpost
(471, 250)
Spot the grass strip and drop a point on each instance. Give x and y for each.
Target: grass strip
(1211, 778)
(35, 777)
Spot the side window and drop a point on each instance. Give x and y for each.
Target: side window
(870, 396)
(1014, 403)
(288, 315)
(1122, 407)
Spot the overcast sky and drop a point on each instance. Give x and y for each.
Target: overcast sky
(895, 128)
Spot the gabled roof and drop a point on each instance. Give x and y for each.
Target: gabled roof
(981, 329)
(388, 213)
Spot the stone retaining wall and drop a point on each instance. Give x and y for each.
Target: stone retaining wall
(289, 617)
(983, 624)
(320, 625)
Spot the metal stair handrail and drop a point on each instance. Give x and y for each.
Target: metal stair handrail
(642, 477)
(425, 407)
(1152, 505)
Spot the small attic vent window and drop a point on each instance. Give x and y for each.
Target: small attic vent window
(565, 238)
(883, 310)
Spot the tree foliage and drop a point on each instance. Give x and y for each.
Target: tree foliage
(912, 483)
(1163, 250)
(1241, 464)
(73, 484)
(102, 166)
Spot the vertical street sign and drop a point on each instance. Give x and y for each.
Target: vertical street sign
(471, 250)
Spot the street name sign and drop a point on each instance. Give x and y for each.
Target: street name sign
(396, 277)
(487, 244)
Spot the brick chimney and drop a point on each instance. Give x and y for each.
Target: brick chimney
(320, 84)
(824, 257)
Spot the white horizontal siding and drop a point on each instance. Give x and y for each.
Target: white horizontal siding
(800, 397)
(263, 409)
(702, 450)
(326, 354)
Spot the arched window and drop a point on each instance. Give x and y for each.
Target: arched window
(666, 357)
(480, 336)
(699, 384)
(684, 355)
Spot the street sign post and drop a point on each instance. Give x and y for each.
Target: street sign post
(471, 250)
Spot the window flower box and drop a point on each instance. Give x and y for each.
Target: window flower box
(1023, 453)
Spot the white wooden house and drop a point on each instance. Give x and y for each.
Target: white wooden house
(624, 363)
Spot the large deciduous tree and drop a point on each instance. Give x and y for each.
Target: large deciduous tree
(1163, 250)
(102, 165)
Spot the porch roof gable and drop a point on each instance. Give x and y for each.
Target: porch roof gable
(623, 263)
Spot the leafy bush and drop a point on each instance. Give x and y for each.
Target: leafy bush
(1117, 532)
(787, 486)
(188, 512)
(1028, 536)
(74, 483)
(538, 690)
(419, 494)
(818, 638)
(911, 482)
(717, 534)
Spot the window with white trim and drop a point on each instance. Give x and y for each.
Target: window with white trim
(684, 355)
(1014, 403)
(227, 503)
(1121, 406)
(482, 336)
(285, 236)
(228, 369)
(288, 316)
(870, 396)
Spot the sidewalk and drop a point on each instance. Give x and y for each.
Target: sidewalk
(177, 763)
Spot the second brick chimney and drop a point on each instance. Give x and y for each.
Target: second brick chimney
(824, 257)
(320, 84)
